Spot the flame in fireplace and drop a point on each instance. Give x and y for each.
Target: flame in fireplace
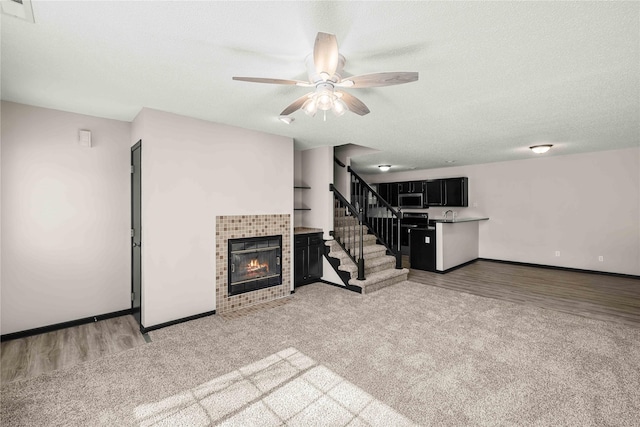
(254, 266)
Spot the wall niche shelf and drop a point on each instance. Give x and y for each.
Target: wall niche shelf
(301, 187)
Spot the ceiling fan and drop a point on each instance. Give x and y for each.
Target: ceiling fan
(324, 68)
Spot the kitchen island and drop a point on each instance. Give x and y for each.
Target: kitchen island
(445, 245)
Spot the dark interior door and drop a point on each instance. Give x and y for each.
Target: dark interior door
(136, 231)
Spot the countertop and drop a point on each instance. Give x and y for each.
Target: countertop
(306, 230)
(442, 220)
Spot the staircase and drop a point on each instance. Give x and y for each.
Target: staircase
(379, 268)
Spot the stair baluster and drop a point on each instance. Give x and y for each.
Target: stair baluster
(382, 219)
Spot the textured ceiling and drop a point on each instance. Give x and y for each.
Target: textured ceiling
(495, 77)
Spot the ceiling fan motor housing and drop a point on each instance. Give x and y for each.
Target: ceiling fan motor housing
(316, 78)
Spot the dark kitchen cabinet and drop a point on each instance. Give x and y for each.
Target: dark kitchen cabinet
(422, 254)
(456, 192)
(389, 192)
(307, 254)
(410, 187)
(452, 192)
(434, 192)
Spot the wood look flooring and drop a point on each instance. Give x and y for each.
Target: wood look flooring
(27, 357)
(596, 296)
(589, 295)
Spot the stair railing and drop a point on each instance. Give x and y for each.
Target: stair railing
(341, 233)
(382, 219)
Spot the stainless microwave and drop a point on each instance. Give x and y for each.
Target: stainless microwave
(411, 201)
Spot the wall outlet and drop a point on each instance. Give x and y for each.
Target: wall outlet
(557, 253)
(601, 258)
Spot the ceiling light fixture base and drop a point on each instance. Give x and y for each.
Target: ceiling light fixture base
(540, 149)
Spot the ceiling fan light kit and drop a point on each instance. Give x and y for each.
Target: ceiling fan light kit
(324, 68)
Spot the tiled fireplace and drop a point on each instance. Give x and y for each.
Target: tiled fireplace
(250, 227)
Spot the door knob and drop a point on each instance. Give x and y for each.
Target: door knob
(138, 244)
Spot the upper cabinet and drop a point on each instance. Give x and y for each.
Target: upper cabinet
(435, 192)
(456, 192)
(453, 192)
(410, 187)
(389, 192)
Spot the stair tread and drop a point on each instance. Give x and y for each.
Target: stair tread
(366, 250)
(379, 276)
(352, 237)
(349, 266)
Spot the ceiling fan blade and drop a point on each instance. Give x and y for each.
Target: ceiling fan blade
(325, 54)
(272, 81)
(354, 104)
(296, 105)
(379, 79)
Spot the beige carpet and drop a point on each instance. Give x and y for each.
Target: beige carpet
(407, 354)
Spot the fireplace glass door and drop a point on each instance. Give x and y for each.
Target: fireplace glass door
(254, 263)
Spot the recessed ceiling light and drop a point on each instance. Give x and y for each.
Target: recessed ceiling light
(449, 161)
(384, 168)
(539, 149)
(286, 119)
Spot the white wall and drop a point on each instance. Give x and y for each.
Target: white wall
(583, 205)
(317, 172)
(192, 171)
(65, 217)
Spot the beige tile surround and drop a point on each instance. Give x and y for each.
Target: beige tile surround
(238, 226)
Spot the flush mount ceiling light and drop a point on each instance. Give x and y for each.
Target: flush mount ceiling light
(324, 69)
(539, 149)
(384, 168)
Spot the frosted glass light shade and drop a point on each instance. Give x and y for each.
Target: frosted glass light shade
(309, 107)
(339, 107)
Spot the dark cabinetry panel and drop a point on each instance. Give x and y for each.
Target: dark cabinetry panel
(422, 255)
(452, 192)
(456, 192)
(389, 192)
(448, 192)
(435, 192)
(411, 187)
(308, 250)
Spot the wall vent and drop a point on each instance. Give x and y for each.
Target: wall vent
(19, 9)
